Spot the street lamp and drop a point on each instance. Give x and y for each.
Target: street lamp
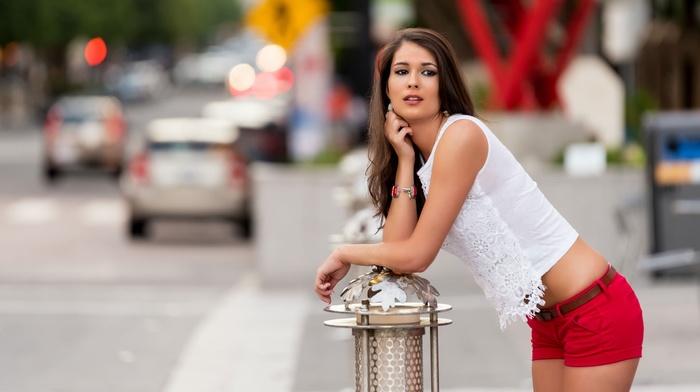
(388, 335)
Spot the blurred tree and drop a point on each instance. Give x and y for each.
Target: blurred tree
(49, 23)
(48, 26)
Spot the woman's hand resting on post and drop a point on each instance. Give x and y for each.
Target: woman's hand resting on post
(328, 275)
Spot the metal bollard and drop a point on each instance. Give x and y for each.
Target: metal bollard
(389, 335)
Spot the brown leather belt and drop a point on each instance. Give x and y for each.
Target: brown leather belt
(550, 313)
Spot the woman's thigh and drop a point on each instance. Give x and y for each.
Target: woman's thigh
(614, 377)
(548, 375)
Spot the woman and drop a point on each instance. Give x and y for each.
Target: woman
(440, 178)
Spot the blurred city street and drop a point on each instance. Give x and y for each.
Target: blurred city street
(83, 308)
(172, 173)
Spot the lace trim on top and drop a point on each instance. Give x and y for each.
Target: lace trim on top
(481, 239)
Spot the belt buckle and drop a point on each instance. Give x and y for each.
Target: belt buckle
(545, 315)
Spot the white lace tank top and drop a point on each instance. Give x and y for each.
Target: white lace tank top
(506, 232)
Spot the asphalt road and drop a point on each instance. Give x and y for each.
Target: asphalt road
(83, 308)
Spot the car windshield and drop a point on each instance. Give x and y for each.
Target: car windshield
(181, 146)
(83, 110)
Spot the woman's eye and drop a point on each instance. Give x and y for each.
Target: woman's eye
(401, 72)
(429, 72)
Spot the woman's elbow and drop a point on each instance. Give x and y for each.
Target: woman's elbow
(417, 263)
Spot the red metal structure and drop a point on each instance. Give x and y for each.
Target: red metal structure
(526, 78)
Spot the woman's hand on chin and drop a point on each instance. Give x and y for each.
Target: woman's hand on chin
(399, 132)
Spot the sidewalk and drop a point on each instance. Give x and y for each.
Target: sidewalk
(273, 340)
(260, 339)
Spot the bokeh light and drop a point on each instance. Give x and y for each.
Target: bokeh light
(271, 58)
(241, 77)
(285, 79)
(95, 51)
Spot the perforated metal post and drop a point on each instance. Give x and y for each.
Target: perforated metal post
(434, 357)
(389, 344)
(389, 335)
(364, 378)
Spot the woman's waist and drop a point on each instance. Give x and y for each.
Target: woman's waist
(580, 267)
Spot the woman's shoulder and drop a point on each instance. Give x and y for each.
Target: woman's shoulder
(464, 128)
(467, 118)
(462, 139)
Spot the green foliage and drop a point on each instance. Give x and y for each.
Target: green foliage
(480, 94)
(635, 107)
(329, 156)
(630, 154)
(49, 23)
(53, 24)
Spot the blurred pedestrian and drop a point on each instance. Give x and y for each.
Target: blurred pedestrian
(440, 178)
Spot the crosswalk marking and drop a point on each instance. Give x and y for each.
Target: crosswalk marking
(102, 308)
(32, 211)
(43, 210)
(103, 212)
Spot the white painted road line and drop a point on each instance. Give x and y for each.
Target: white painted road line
(103, 308)
(107, 212)
(32, 211)
(248, 343)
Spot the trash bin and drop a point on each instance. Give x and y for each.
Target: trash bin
(673, 174)
(389, 335)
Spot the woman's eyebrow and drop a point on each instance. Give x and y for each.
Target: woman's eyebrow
(406, 64)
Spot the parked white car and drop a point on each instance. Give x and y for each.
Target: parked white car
(188, 168)
(83, 132)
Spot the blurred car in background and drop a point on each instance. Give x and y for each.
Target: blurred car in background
(262, 123)
(214, 64)
(188, 168)
(84, 132)
(138, 80)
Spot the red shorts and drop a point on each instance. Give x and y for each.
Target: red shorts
(607, 329)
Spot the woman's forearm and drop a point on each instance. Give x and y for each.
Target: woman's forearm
(400, 256)
(402, 217)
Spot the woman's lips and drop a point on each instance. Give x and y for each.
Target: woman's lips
(412, 99)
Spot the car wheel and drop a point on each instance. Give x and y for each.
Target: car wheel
(246, 227)
(117, 172)
(138, 228)
(51, 174)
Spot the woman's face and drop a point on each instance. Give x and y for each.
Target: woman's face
(413, 83)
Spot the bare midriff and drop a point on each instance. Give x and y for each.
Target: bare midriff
(580, 266)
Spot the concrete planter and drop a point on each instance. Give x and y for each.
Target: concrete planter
(294, 214)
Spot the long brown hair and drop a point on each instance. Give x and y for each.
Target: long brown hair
(454, 98)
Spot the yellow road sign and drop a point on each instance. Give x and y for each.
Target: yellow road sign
(284, 21)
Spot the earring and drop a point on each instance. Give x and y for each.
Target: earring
(389, 108)
(446, 113)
